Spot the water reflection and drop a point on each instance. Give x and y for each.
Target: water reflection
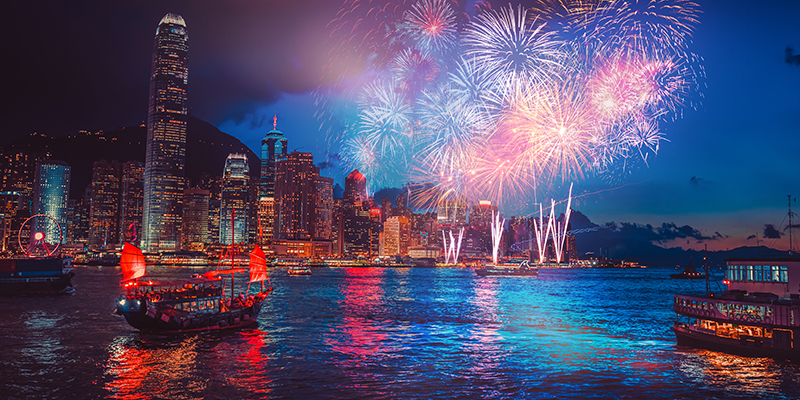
(361, 294)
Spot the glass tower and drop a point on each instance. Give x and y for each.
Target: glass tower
(166, 136)
(273, 148)
(234, 205)
(51, 197)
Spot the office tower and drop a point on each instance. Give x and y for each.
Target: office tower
(132, 202)
(401, 206)
(105, 204)
(386, 209)
(323, 224)
(273, 149)
(166, 136)
(295, 192)
(397, 234)
(452, 213)
(235, 200)
(50, 197)
(355, 188)
(195, 219)
(10, 220)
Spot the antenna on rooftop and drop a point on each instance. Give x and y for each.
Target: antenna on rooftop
(791, 247)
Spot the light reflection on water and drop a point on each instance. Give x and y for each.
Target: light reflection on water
(387, 333)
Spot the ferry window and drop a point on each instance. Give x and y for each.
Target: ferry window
(759, 274)
(776, 276)
(750, 273)
(784, 274)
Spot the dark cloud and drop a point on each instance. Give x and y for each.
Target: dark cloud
(695, 181)
(666, 232)
(332, 160)
(751, 237)
(791, 58)
(770, 232)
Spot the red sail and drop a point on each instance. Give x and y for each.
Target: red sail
(132, 262)
(258, 265)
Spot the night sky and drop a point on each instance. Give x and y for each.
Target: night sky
(725, 170)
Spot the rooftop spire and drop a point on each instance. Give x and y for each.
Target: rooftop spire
(275, 122)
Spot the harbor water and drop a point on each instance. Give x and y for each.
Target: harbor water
(375, 333)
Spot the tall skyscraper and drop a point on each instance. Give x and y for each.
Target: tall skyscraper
(295, 193)
(324, 208)
(132, 201)
(234, 204)
(355, 188)
(51, 197)
(166, 136)
(104, 206)
(273, 149)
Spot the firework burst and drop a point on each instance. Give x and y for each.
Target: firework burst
(431, 24)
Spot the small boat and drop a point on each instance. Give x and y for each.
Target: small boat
(689, 272)
(198, 303)
(36, 275)
(296, 270)
(522, 269)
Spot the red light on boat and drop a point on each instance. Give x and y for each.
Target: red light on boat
(726, 282)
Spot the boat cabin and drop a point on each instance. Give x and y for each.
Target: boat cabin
(780, 276)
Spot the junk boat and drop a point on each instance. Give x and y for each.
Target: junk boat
(296, 270)
(689, 272)
(758, 315)
(522, 269)
(199, 303)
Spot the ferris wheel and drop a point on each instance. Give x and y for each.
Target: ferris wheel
(40, 236)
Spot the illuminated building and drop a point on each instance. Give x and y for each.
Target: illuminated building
(451, 213)
(78, 219)
(9, 220)
(195, 219)
(19, 173)
(323, 224)
(295, 196)
(273, 149)
(104, 205)
(355, 188)
(386, 209)
(132, 203)
(166, 136)
(50, 197)
(234, 203)
(402, 208)
(397, 232)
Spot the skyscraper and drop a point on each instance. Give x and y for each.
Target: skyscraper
(195, 219)
(166, 136)
(324, 208)
(132, 201)
(355, 188)
(273, 149)
(295, 193)
(50, 197)
(234, 204)
(104, 205)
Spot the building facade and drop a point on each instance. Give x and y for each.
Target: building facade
(51, 198)
(234, 204)
(295, 196)
(195, 219)
(132, 202)
(166, 136)
(104, 207)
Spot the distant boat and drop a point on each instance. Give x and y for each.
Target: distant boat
(522, 269)
(296, 270)
(198, 303)
(689, 272)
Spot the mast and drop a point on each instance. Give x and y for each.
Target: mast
(791, 247)
(705, 259)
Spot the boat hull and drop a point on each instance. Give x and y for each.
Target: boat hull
(506, 271)
(61, 284)
(46, 275)
(747, 346)
(151, 317)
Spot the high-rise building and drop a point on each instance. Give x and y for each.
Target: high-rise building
(386, 209)
(235, 200)
(397, 233)
(10, 221)
(295, 196)
(355, 188)
(50, 197)
(273, 149)
(104, 205)
(324, 208)
(166, 136)
(195, 219)
(452, 213)
(132, 201)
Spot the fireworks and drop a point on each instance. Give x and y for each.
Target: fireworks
(509, 101)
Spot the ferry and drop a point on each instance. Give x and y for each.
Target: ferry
(521, 269)
(758, 315)
(36, 275)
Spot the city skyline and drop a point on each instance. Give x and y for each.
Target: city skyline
(695, 180)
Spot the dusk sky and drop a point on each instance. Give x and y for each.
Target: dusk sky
(725, 167)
